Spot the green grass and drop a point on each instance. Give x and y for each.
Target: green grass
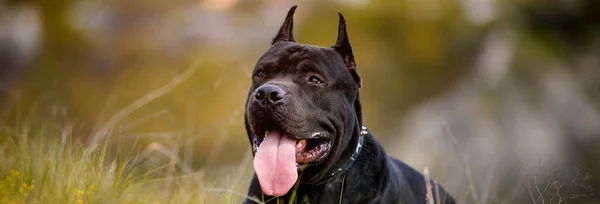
(44, 167)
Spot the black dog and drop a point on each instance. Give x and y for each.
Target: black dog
(304, 121)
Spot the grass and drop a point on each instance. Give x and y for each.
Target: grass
(45, 167)
(42, 165)
(46, 164)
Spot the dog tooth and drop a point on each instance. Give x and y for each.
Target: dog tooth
(300, 143)
(266, 133)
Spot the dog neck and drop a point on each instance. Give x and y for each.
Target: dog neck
(345, 161)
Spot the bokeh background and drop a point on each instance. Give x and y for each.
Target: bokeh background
(500, 100)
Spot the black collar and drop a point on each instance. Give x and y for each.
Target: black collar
(341, 168)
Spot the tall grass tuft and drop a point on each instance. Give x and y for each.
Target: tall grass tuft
(38, 166)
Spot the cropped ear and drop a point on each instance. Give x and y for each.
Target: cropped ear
(342, 46)
(285, 32)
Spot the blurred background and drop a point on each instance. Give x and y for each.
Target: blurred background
(500, 100)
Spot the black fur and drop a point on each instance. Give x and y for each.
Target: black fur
(332, 107)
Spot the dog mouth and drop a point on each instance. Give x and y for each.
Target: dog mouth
(307, 151)
(279, 156)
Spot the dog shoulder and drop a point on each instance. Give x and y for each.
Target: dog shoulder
(416, 182)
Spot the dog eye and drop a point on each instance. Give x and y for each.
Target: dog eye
(260, 74)
(314, 79)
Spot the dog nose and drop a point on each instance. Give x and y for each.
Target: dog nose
(269, 93)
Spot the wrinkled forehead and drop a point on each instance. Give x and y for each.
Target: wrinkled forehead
(289, 53)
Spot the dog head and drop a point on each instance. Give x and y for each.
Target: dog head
(302, 109)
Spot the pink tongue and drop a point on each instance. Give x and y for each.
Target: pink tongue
(275, 164)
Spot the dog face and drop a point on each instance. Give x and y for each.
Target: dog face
(302, 108)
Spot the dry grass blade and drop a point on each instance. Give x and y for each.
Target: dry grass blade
(115, 119)
(429, 195)
(170, 154)
(459, 151)
(437, 192)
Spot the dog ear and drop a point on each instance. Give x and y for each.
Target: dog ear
(285, 32)
(342, 46)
